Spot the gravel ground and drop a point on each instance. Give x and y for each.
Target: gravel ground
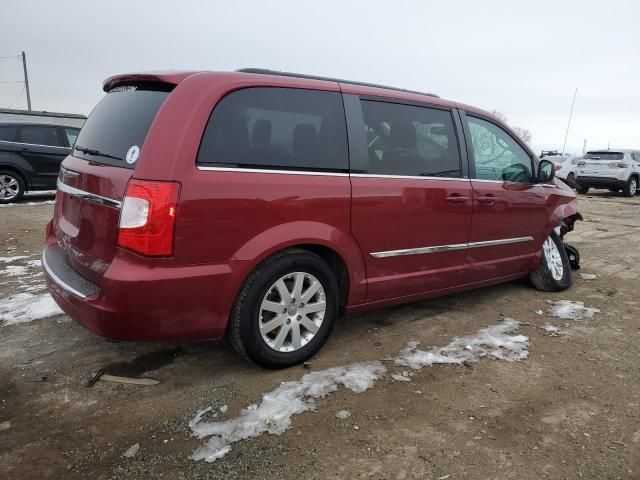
(570, 410)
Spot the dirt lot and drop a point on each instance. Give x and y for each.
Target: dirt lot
(570, 410)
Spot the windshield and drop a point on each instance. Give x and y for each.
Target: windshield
(118, 125)
(604, 155)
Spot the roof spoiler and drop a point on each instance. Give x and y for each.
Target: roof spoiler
(171, 78)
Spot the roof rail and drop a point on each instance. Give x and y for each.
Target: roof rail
(264, 71)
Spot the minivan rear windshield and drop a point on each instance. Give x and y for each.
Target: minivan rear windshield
(604, 155)
(116, 128)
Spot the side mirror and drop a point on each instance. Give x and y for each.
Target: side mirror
(546, 171)
(517, 173)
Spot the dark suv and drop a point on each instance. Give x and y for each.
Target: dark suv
(263, 205)
(30, 156)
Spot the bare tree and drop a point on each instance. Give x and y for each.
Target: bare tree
(524, 133)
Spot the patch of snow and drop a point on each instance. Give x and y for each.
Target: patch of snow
(493, 342)
(273, 414)
(539, 312)
(342, 414)
(551, 329)
(34, 264)
(25, 307)
(588, 276)
(46, 202)
(571, 310)
(400, 377)
(14, 271)
(12, 259)
(223, 409)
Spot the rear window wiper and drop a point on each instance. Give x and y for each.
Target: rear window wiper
(92, 151)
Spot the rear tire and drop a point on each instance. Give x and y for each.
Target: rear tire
(581, 189)
(631, 187)
(12, 186)
(299, 334)
(554, 273)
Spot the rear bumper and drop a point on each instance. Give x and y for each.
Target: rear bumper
(136, 302)
(600, 182)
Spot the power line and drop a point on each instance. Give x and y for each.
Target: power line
(13, 81)
(10, 56)
(18, 97)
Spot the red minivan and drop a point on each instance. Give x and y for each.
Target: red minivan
(262, 205)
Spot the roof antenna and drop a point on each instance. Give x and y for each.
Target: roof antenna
(569, 124)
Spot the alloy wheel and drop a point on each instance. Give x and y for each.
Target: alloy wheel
(292, 312)
(554, 259)
(9, 187)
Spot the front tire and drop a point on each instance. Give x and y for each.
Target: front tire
(554, 273)
(571, 176)
(12, 186)
(631, 187)
(581, 189)
(285, 310)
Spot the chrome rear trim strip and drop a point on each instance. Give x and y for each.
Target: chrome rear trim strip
(89, 197)
(449, 248)
(58, 280)
(266, 170)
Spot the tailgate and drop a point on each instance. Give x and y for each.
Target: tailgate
(93, 179)
(87, 213)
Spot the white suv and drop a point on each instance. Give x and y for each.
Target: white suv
(613, 169)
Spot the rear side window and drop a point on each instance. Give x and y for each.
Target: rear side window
(277, 128)
(118, 124)
(604, 155)
(8, 133)
(39, 135)
(410, 140)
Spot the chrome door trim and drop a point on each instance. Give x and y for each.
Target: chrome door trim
(89, 197)
(449, 248)
(58, 280)
(409, 177)
(37, 144)
(272, 171)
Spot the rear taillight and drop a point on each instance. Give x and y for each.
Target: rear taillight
(148, 216)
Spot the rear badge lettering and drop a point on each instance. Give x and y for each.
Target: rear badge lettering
(132, 155)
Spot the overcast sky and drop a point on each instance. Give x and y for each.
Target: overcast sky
(524, 59)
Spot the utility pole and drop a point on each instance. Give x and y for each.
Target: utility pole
(26, 80)
(569, 124)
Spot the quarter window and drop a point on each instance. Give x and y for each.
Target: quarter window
(266, 127)
(410, 140)
(72, 135)
(496, 155)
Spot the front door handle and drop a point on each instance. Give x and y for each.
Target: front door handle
(487, 199)
(456, 198)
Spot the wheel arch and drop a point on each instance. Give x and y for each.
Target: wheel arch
(17, 171)
(338, 248)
